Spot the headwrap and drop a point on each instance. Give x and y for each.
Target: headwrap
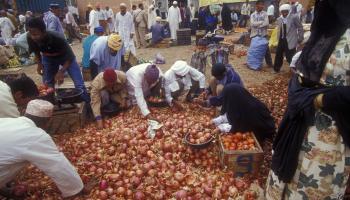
(330, 23)
(236, 102)
(175, 3)
(109, 75)
(39, 108)
(114, 42)
(99, 29)
(22, 18)
(122, 5)
(218, 69)
(284, 7)
(180, 68)
(89, 5)
(151, 6)
(151, 74)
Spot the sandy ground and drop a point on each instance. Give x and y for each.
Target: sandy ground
(171, 55)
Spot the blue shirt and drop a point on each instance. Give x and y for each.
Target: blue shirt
(53, 23)
(157, 33)
(86, 49)
(230, 77)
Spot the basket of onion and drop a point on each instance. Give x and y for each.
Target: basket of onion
(156, 102)
(198, 140)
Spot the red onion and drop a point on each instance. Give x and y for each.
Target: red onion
(139, 195)
(103, 185)
(181, 194)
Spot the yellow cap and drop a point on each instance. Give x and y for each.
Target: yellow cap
(114, 42)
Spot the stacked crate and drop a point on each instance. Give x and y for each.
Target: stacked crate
(183, 36)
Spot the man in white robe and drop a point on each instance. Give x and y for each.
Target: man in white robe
(110, 19)
(174, 19)
(151, 17)
(25, 142)
(124, 26)
(93, 21)
(6, 27)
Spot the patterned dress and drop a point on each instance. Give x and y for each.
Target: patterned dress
(324, 160)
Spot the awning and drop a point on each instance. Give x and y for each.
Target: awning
(211, 2)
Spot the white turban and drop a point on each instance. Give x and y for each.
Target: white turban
(175, 3)
(22, 18)
(122, 5)
(180, 68)
(285, 7)
(39, 108)
(158, 19)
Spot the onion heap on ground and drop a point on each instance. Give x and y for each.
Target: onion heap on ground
(128, 165)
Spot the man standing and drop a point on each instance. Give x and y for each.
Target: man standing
(108, 92)
(245, 13)
(151, 17)
(54, 56)
(141, 24)
(85, 62)
(101, 16)
(94, 19)
(290, 34)
(174, 19)
(52, 20)
(16, 95)
(124, 26)
(23, 142)
(6, 27)
(259, 23)
(271, 13)
(106, 51)
(296, 8)
(87, 13)
(71, 26)
(110, 19)
(193, 11)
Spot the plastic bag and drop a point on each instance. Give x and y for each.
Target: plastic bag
(160, 59)
(273, 42)
(256, 52)
(153, 126)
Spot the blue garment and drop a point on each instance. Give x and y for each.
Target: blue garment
(85, 61)
(53, 23)
(51, 67)
(231, 76)
(100, 54)
(157, 33)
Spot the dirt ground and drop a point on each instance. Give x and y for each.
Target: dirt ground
(172, 54)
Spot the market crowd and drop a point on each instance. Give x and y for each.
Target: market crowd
(311, 145)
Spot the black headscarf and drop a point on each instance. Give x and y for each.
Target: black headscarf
(226, 18)
(246, 113)
(332, 18)
(330, 23)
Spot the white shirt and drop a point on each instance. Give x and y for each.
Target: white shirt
(23, 143)
(8, 106)
(124, 26)
(93, 19)
(295, 60)
(138, 86)
(109, 13)
(73, 10)
(271, 10)
(245, 10)
(70, 19)
(171, 84)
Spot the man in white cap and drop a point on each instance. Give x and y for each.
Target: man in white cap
(181, 78)
(124, 26)
(290, 35)
(23, 141)
(174, 19)
(157, 31)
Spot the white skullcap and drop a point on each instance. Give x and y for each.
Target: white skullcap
(284, 7)
(158, 19)
(39, 108)
(22, 18)
(151, 6)
(175, 3)
(122, 5)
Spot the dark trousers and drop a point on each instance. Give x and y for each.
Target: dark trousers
(243, 21)
(268, 58)
(72, 33)
(282, 48)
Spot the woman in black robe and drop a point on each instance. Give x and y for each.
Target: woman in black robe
(245, 113)
(226, 18)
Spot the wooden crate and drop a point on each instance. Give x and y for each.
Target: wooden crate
(165, 43)
(68, 121)
(241, 162)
